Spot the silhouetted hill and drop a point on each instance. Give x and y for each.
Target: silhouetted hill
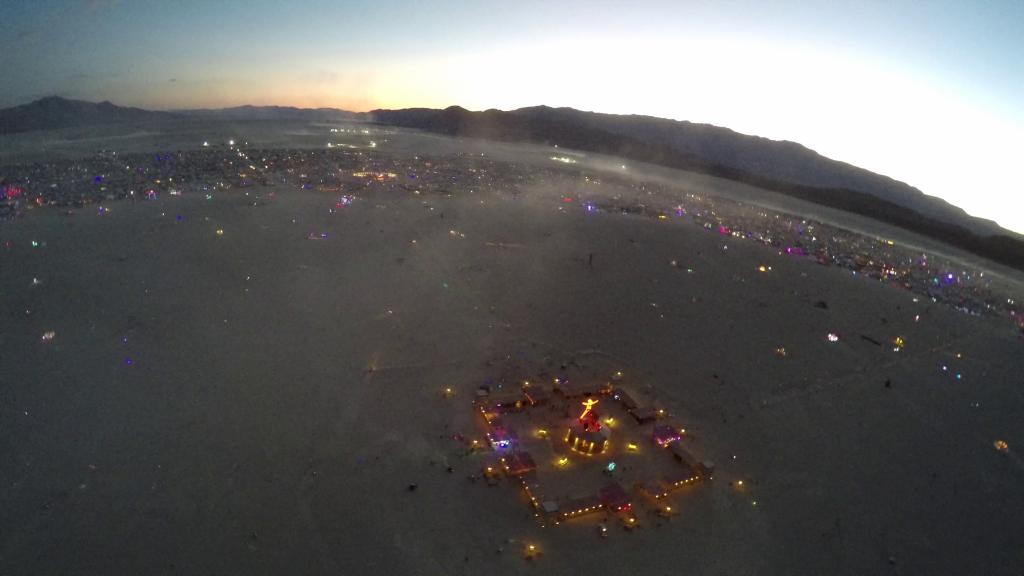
(277, 113)
(698, 147)
(56, 112)
(784, 167)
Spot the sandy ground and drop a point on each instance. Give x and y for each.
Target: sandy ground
(257, 402)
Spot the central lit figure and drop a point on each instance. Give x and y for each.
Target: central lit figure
(586, 435)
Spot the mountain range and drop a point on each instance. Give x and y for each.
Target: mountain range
(679, 144)
(56, 112)
(785, 167)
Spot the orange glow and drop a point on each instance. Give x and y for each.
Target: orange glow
(588, 404)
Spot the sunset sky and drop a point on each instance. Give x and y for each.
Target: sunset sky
(929, 93)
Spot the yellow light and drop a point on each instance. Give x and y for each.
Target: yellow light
(762, 268)
(631, 446)
(563, 461)
(588, 404)
(609, 420)
(220, 231)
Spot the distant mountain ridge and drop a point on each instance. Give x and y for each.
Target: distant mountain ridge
(680, 144)
(56, 112)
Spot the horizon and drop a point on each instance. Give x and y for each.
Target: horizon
(926, 95)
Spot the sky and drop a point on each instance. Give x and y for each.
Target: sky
(929, 93)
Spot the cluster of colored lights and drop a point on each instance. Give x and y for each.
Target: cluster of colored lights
(664, 442)
(378, 176)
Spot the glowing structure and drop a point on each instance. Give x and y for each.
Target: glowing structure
(378, 176)
(586, 435)
(589, 418)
